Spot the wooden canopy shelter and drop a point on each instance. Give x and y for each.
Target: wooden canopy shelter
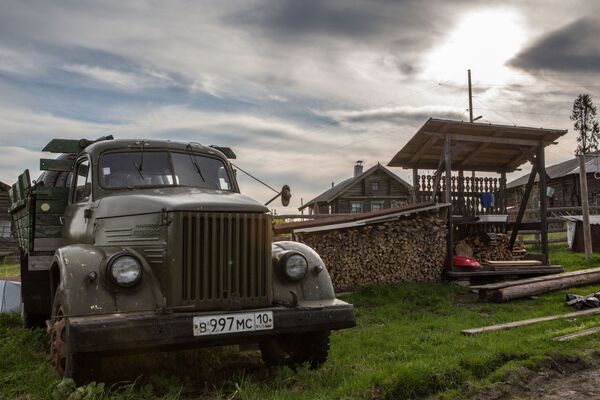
(445, 145)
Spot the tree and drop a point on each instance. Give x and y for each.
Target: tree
(584, 115)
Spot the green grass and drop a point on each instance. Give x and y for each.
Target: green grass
(407, 344)
(9, 270)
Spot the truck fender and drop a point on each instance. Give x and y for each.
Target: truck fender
(72, 272)
(314, 287)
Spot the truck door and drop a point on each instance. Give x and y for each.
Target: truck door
(78, 223)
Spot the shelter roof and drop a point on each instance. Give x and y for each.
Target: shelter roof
(475, 146)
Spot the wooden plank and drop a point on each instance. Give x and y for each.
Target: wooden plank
(47, 164)
(448, 199)
(514, 263)
(525, 322)
(63, 146)
(585, 207)
(571, 336)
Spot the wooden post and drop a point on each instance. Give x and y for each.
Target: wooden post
(585, 208)
(448, 199)
(503, 192)
(541, 161)
(523, 206)
(415, 185)
(461, 191)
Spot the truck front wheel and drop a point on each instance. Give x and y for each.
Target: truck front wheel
(294, 350)
(82, 368)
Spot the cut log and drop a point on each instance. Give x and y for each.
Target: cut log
(571, 336)
(518, 324)
(505, 291)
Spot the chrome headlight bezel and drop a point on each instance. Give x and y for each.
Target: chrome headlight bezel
(113, 263)
(289, 261)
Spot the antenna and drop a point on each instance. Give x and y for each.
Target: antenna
(470, 98)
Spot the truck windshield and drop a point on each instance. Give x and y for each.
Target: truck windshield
(161, 168)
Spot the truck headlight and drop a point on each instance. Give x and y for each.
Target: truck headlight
(125, 270)
(294, 266)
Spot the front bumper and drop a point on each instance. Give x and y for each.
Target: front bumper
(151, 331)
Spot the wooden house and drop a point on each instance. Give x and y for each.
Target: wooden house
(375, 189)
(564, 189)
(8, 245)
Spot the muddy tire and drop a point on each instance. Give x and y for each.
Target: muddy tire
(83, 367)
(295, 350)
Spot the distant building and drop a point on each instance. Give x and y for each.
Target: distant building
(8, 245)
(563, 183)
(374, 189)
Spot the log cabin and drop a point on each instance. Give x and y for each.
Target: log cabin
(375, 189)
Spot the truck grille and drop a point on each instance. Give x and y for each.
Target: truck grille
(225, 260)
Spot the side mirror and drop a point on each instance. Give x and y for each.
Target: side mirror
(286, 195)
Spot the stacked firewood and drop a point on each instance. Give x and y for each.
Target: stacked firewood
(491, 247)
(411, 249)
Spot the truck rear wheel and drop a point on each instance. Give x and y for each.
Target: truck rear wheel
(294, 350)
(82, 368)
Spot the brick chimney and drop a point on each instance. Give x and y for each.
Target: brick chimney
(358, 168)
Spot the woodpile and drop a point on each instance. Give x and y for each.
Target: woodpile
(490, 247)
(411, 249)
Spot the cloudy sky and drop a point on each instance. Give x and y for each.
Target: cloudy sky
(300, 89)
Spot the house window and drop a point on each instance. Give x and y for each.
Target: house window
(4, 229)
(376, 205)
(375, 186)
(356, 207)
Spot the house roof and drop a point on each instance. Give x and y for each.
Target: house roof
(475, 146)
(334, 192)
(4, 186)
(564, 168)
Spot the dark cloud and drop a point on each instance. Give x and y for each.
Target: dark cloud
(573, 48)
(310, 17)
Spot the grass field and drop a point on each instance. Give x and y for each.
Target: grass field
(407, 344)
(9, 270)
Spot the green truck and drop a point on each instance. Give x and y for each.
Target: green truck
(132, 246)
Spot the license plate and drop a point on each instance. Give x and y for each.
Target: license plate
(232, 323)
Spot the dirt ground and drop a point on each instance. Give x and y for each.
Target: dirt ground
(565, 377)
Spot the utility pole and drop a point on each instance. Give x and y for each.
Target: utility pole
(470, 99)
(585, 208)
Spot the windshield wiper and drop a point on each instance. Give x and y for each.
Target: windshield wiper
(138, 168)
(198, 169)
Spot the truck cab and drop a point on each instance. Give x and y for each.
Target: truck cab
(149, 245)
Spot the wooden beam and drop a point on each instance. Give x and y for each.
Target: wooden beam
(415, 185)
(518, 324)
(523, 207)
(541, 167)
(485, 139)
(585, 208)
(574, 335)
(430, 142)
(448, 199)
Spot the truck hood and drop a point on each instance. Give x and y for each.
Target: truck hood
(144, 201)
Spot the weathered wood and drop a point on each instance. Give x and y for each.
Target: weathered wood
(571, 336)
(523, 207)
(525, 322)
(585, 206)
(63, 146)
(535, 286)
(448, 199)
(541, 167)
(485, 139)
(56, 165)
(500, 285)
